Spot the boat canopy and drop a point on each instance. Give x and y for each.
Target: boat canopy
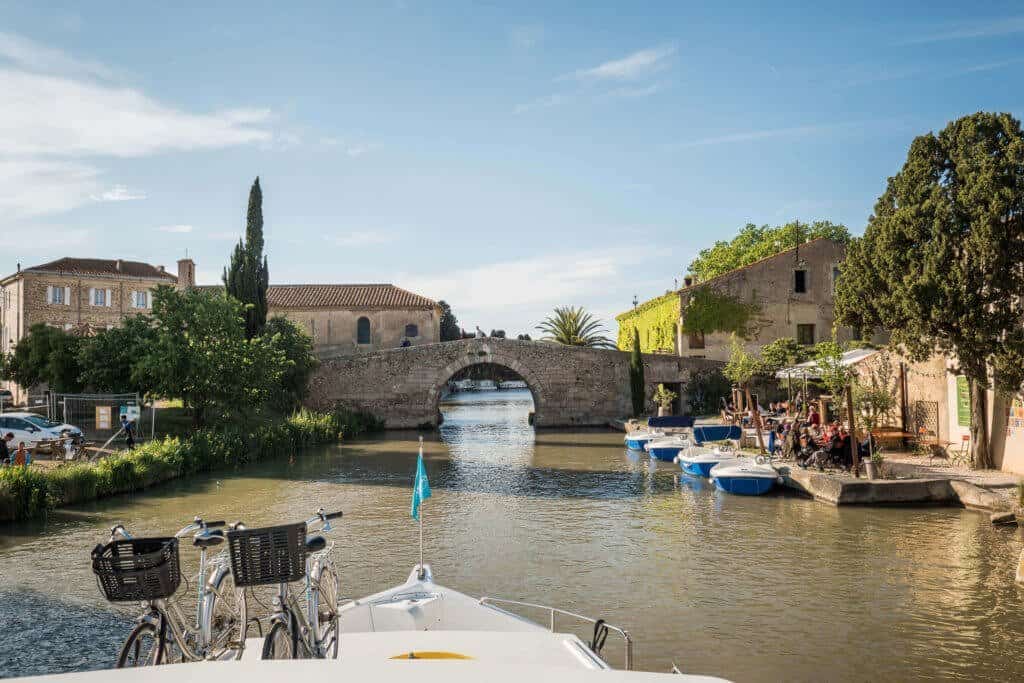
(810, 369)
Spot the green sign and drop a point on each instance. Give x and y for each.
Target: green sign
(963, 402)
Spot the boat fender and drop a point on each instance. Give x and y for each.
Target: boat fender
(760, 460)
(675, 459)
(600, 635)
(780, 480)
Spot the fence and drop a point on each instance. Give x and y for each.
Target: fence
(99, 415)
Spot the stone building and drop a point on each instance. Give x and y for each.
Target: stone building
(792, 291)
(77, 294)
(350, 319)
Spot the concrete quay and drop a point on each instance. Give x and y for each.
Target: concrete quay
(840, 489)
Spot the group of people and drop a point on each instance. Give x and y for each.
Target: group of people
(20, 456)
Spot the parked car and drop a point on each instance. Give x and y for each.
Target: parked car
(32, 428)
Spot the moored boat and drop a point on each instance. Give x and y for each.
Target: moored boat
(667, 448)
(698, 461)
(637, 440)
(745, 476)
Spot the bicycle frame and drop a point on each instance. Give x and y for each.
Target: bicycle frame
(304, 624)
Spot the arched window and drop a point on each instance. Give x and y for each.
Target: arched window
(363, 330)
(412, 330)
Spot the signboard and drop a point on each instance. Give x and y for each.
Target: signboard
(130, 412)
(963, 402)
(103, 417)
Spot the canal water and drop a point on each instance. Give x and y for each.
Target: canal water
(752, 589)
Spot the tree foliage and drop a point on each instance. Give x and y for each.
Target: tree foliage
(200, 354)
(833, 375)
(655, 319)
(46, 355)
(742, 365)
(107, 360)
(247, 277)
(757, 242)
(637, 386)
(780, 353)
(941, 263)
(875, 392)
(297, 347)
(573, 326)
(450, 330)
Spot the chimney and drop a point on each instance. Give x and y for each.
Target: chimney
(688, 281)
(186, 273)
(119, 264)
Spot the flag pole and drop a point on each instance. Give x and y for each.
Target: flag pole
(422, 572)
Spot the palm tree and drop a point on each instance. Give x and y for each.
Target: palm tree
(574, 327)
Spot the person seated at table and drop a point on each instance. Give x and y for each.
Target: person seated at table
(21, 456)
(867, 446)
(808, 454)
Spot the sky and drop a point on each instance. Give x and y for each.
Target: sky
(507, 158)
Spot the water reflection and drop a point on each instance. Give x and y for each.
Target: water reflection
(770, 588)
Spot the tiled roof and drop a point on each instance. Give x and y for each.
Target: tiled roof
(340, 296)
(345, 296)
(104, 268)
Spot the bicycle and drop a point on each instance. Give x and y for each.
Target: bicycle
(132, 569)
(281, 555)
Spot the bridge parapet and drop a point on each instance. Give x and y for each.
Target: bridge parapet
(571, 386)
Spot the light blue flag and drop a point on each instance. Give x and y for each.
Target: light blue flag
(420, 487)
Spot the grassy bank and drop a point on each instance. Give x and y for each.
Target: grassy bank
(27, 492)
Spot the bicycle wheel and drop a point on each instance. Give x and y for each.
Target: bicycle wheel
(279, 643)
(327, 613)
(228, 618)
(144, 647)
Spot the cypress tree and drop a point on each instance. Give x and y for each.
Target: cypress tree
(636, 376)
(248, 276)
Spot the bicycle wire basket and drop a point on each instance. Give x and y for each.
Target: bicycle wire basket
(138, 569)
(273, 554)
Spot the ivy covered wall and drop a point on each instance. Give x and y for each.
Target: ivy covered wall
(656, 320)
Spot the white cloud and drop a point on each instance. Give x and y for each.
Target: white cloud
(30, 55)
(351, 149)
(987, 29)
(362, 238)
(51, 239)
(57, 116)
(765, 134)
(32, 187)
(178, 229)
(118, 193)
(640, 63)
(631, 93)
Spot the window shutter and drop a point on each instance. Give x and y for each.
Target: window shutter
(92, 296)
(49, 294)
(108, 299)
(67, 296)
(134, 299)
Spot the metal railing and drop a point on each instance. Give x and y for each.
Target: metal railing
(494, 602)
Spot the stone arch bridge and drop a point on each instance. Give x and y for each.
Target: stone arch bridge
(571, 386)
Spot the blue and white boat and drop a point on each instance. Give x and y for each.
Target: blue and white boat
(635, 441)
(698, 461)
(667, 448)
(745, 476)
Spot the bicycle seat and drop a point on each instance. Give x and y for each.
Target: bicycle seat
(208, 538)
(315, 544)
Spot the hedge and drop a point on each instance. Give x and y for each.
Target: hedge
(27, 492)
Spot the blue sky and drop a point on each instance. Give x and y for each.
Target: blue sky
(506, 158)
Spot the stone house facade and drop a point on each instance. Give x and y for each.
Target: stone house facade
(794, 291)
(77, 294)
(351, 319)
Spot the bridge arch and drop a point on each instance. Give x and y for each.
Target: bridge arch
(484, 356)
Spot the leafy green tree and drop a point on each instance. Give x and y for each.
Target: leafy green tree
(757, 242)
(200, 354)
(247, 277)
(297, 347)
(941, 262)
(741, 370)
(573, 326)
(108, 359)
(781, 353)
(450, 330)
(637, 386)
(46, 355)
(833, 375)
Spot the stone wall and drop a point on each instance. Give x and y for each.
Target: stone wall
(334, 331)
(571, 386)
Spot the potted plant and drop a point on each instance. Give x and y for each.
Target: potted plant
(873, 466)
(664, 398)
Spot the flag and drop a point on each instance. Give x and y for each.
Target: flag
(420, 486)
